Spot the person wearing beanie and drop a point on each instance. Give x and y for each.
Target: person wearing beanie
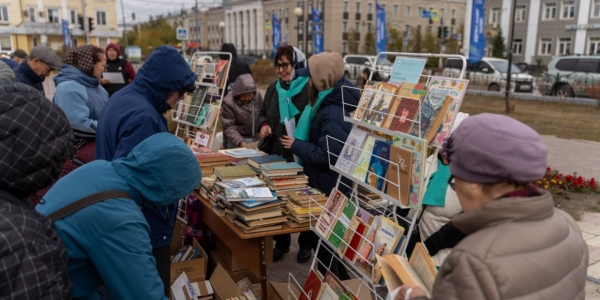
(321, 124)
(35, 141)
(33, 71)
(19, 56)
(517, 244)
(240, 111)
(116, 64)
(78, 90)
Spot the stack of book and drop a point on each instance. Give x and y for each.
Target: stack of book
(187, 252)
(209, 161)
(217, 194)
(303, 203)
(256, 162)
(243, 153)
(283, 176)
(233, 172)
(254, 209)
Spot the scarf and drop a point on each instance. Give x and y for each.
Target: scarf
(303, 126)
(435, 195)
(81, 58)
(287, 109)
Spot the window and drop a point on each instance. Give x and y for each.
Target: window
(345, 6)
(53, 15)
(300, 27)
(285, 13)
(301, 46)
(36, 42)
(309, 27)
(73, 15)
(568, 9)
(564, 46)
(5, 44)
(101, 18)
(442, 13)
(309, 7)
(495, 16)
(420, 12)
(31, 13)
(320, 5)
(549, 11)
(566, 64)
(594, 45)
(357, 26)
(345, 26)
(408, 10)
(358, 7)
(454, 13)
(596, 8)
(518, 46)
(520, 13)
(344, 47)
(369, 8)
(368, 27)
(395, 9)
(545, 47)
(309, 46)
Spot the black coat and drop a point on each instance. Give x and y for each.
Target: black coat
(328, 121)
(236, 68)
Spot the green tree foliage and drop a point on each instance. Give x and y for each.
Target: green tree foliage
(498, 46)
(369, 47)
(153, 33)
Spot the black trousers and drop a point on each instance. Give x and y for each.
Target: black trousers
(163, 265)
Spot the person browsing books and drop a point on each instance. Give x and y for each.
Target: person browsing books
(284, 99)
(134, 114)
(109, 242)
(320, 125)
(240, 111)
(518, 245)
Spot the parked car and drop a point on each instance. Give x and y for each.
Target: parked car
(571, 75)
(490, 74)
(354, 65)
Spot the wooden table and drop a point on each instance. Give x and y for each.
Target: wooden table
(248, 248)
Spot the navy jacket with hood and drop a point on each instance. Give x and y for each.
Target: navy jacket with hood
(136, 112)
(328, 121)
(26, 75)
(236, 68)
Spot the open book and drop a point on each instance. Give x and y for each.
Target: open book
(419, 270)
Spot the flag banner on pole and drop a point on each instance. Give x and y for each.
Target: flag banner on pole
(381, 30)
(477, 41)
(276, 33)
(317, 30)
(66, 33)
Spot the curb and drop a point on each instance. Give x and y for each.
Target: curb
(523, 96)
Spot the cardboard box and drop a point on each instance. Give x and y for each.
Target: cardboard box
(223, 286)
(279, 291)
(232, 262)
(216, 259)
(178, 236)
(195, 268)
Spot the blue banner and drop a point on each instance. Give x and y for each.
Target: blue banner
(381, 30)
(276, 33)
(317, 30)
(477, 40)
(66, 33)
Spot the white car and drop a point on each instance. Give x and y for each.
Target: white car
(490, 74)
(354, 65)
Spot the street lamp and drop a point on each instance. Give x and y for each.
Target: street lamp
(222, 27)
(298, 13)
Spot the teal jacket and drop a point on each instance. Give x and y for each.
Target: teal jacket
(109, 242)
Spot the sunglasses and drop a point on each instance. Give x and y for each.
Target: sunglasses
(452, 183)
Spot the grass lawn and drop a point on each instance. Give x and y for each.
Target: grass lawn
(563, 120)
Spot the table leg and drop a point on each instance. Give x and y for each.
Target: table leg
(262, 253)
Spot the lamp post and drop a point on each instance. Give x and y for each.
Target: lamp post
(222, 27)
(298, 13)
(71, 27)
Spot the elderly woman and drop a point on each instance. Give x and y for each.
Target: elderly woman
(518, 245)
(240, 111)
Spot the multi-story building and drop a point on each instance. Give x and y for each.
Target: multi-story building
(28, 23)
(544, 28)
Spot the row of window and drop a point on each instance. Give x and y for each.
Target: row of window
(549, 12)
(395, 9)
(546, 46)
(52, 15)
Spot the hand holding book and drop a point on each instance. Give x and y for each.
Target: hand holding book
(406, 292)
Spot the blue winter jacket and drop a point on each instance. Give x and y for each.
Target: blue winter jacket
(328, 121)
(108, 242)
(136, 112)
(80, 96)
(24, 74)
(11, 63)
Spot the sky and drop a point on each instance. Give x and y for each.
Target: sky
(145, 8)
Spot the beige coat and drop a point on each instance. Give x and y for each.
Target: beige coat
(516, 248)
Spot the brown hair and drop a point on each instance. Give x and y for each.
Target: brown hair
(96, 54)
(287, 51)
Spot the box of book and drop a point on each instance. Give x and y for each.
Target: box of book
(191, 259)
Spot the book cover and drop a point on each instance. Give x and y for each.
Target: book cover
(362, 162)
(378, 164)
(221, 72)
(312, 286)
(339, 229)
(351, 150)
(288, 166)
(232, 172)
(240, 182)
(333, 282)
(404, 115)
(399, 174)
(205, 121)
(411, 90)
(330, 213)
(202, 139)
(364, 215)
(407, 70)
(381, 103)
(248, 193)
(419, 270)
(384, 235)
(305, 194)
(259, 160)
(195, 105)
(456, 89)
(327, 293)
(418, 147)
(430, 117)
(348, 234)
(365, 101)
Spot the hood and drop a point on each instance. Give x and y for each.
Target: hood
(243, 84)
(70, 73)
(326, 69)
(27, 118)
(161, 169)
(164, 71)
(6, 74)
(228, 47)
(116, 47)
(351, 95)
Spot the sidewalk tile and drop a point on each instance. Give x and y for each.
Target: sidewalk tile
(594, 241)
(589, 215)
(585, 225)
(594, 271)
(587, 236)
(593, 230)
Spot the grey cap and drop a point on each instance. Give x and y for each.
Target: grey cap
(489, 148)
(46, 55)
(6, 74)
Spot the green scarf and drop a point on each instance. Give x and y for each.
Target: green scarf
(287, 109)
(438, 184)
(303, 126)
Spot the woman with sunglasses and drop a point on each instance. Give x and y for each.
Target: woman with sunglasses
(78, 90)
(517, 244)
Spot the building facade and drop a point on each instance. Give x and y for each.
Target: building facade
(25, 24)
(545, 28)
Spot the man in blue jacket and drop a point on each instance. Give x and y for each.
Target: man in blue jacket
(108, 242)
(33, 71)
(136, 112)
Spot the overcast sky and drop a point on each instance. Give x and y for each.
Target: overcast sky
(145, 8)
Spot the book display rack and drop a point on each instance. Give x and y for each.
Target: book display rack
(395, 125)
(197, 115)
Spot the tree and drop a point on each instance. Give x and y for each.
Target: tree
(416, 41)
(351, 41)
(498, 47)
(395, 41)
(431, 45)
(154, 33)
(369, 47)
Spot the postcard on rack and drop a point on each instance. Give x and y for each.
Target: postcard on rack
(407, 70)
(201, 139)
(430, 118)
(331, 211)
(399, 174)
(418, 147)
(379, 164)
(456, 89)
(352, 148)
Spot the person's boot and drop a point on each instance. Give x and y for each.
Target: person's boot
(304, 255)
(278, 252)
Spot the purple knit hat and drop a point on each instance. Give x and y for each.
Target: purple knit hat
(489, 148)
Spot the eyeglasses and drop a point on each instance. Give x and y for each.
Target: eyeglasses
(452, 183)
(283, 66)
